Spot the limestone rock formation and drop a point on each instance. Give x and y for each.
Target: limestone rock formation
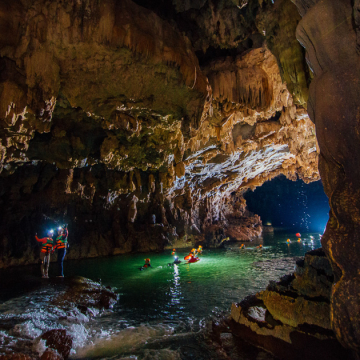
(139, 131)
(291, 318)
(278, 24)
(329, 33)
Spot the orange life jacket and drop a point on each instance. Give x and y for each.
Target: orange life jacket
(47, 244)
(61, 241)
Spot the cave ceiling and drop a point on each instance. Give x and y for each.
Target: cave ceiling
(189, 99)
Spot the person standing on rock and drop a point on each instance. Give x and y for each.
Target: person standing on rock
(61, 246)
(46, 248)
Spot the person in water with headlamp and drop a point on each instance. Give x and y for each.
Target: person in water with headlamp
(61, 246)
(46, 248)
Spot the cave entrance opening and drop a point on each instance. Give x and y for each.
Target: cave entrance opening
(288, 204)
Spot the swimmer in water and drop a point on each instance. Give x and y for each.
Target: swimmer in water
(242, 246)
(298, 240)
(259, 247)
(226, 239)
(188, 256)
(199, 250)
(192, 259)
(288, 241)
(176, 261)
(173, 252)
(146, 265)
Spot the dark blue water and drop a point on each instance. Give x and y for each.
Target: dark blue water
(290, 204)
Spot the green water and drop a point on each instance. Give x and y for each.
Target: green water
(163, 312)
(193, 291)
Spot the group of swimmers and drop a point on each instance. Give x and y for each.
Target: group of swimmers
(242, 247)
(193, 255)
(191, 258)
(48, 246)
(298, 235)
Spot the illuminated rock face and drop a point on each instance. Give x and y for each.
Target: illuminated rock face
(109, 124)
(329, 32)
(291, 317)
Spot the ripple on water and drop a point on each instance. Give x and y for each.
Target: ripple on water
(162, 306)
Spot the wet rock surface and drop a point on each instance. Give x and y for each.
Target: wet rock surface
(292, 316)
(49, 327)
(329, 31)
(86, 294)
(58, 340)
(50, 355)
(18, 356)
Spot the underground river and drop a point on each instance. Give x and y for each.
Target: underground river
(163, 301)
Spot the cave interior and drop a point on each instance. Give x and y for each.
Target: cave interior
(146, 125)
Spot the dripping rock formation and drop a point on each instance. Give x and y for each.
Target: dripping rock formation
(119, 120)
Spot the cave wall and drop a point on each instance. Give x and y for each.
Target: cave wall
(141, 125)
(329, 32)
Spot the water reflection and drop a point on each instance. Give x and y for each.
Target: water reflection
(172, 297)
(175, 290)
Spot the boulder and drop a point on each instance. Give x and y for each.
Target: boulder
(58, 340)
(313, 275)
(297, 310)
(86, 293)
(291, 318)
(50, 354)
